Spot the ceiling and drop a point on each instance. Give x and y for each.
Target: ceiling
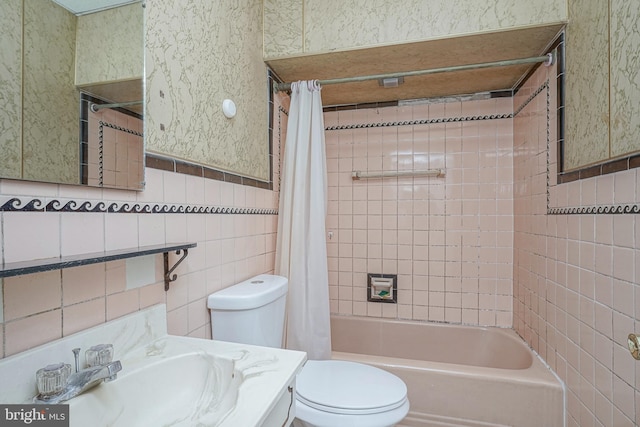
(84, 7)
(471, 49)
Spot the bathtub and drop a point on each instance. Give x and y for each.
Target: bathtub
(456, 375)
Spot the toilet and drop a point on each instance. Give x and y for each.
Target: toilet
(329, 393)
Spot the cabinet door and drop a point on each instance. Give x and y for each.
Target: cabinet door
(284, 410)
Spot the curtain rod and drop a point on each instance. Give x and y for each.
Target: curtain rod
(97, 107)
(547, 59)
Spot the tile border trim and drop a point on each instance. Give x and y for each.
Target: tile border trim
(119, 128)
(542, 87)
(629, 162)
(17, 204)
(596, 210)
(281, 111)
(169, 164)
(421, 122)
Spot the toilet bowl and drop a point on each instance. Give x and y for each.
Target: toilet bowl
(338, 393)
(329, 393)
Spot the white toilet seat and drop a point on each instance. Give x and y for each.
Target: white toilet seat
(311, 417)
(334, 392)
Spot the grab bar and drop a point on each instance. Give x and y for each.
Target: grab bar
(356, 175)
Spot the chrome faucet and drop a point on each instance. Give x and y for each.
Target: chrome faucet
(55, 385)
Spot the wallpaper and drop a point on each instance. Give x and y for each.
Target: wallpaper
(337, 25)
(110, 45)
(283, 27)
(625, 76)
(50, 109)
(587, 84)
(198, 54)
(10, 89)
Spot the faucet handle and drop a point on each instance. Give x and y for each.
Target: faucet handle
(100, 354)
(52, 379)
(113, 368)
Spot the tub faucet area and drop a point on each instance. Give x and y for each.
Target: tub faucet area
(56, 384)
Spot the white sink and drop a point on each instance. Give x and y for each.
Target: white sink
(182, 390)
(166, 380)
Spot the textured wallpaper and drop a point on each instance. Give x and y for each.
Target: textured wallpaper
(587, 84)
(197, 54)
(110, 45)
(602, 81)
(337, 25)
(10, 88)
(50, 114)
(625, 77)
(283, 27)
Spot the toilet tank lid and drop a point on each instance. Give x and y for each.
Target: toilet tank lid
(252, 293)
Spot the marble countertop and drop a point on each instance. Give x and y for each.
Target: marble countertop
(255, 377)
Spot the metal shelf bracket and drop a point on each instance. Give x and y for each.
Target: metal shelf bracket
(168, 278)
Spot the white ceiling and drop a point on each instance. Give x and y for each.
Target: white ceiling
(84, 7)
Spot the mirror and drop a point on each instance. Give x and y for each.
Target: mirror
(55, 63)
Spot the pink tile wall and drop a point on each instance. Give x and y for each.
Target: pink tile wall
(42, 307)
(449, 239)
(576, 276)
(122, 152)
(39, 308)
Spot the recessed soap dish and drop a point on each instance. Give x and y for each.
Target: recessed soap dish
(382, 288)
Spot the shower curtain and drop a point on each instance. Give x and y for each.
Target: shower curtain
(301, 252)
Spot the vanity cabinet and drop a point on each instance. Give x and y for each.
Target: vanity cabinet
(284, 410)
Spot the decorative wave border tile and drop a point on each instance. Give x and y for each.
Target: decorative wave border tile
(17, 204)
(596, 210)
(421, 122)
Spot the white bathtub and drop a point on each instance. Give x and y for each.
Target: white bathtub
(456, 375)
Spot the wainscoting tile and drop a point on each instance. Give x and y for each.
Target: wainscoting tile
(122, 303)
(83, 283)
(31, 235)
(32, 293)
(81, 233)
(83, 315)
(32, 331)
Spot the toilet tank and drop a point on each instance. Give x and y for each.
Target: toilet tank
(250, 312)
